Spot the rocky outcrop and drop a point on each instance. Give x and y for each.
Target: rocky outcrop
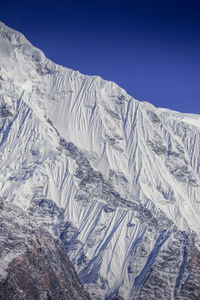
(34, 265)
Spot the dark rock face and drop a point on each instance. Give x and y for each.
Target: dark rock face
(39, 267)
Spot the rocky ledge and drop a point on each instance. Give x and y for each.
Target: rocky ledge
(33, 264)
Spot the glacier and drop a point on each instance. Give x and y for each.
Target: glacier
(116, 179)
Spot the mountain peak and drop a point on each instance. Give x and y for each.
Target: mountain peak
(116, 179)
(12, 36)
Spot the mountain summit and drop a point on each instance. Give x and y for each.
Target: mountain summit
(117, 180)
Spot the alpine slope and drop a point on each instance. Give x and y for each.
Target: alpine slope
(116, 179)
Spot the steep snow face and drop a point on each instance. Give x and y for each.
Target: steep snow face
(115, 178)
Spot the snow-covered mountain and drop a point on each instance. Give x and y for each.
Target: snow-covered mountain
(116, 179)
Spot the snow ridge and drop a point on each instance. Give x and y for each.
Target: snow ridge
(116, 179)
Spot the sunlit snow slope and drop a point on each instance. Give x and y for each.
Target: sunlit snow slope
(117, 179)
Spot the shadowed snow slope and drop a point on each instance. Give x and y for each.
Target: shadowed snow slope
(116, 179)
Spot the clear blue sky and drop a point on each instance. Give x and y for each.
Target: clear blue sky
(150, 48)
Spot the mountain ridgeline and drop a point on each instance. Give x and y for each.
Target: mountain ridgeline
(115, 180)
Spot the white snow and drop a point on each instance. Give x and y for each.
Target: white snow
(118, 134)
